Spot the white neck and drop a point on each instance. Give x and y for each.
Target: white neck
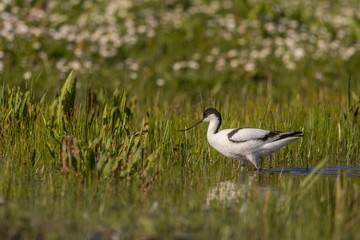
(213, 127)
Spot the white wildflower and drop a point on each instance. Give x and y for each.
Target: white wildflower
(249, 66)
(193, 65)
(209, 58)
(232, 53)
(215, 51)
(160, 82)
(348, 52)
(134, 66)
(234, 63)
(270, 27)
(75, 65)
(220, 64)
(299, 53)
(179, 65)
(133, 75)
(27, 75)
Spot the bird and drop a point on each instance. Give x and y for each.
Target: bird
(244, 144)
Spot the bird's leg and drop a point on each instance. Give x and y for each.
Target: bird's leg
(257, 172)
(242, 162)
(258, 169)
(252, 159)
(256, 165)
(270, 163)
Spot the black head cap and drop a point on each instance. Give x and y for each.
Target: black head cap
(210, 111)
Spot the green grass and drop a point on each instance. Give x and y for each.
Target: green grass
(94, 153)
(106, 168)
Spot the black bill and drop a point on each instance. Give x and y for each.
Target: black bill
(192, 126)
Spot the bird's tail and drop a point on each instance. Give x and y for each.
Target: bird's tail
(284, 139)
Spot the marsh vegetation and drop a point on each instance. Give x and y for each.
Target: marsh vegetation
(92, 93)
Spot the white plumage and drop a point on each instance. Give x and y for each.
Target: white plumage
(244, 144)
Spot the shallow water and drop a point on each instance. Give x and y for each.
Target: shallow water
(230, 191)
(329, 170)
(187, 205)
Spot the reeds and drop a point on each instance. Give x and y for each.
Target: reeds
(111, 167)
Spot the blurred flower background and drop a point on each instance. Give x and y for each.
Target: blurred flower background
(181, 46)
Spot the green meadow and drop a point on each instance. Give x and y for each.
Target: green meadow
(92, 94)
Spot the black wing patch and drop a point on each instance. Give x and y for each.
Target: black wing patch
(281, 135)
(271, 134)
(233, 132)
(298, 134)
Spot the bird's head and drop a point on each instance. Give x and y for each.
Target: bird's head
(209, 115)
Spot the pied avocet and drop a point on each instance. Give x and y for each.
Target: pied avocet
(244, 144)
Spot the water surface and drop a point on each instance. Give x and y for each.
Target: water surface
(329, 170)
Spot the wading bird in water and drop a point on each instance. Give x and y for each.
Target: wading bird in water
(244, 144)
